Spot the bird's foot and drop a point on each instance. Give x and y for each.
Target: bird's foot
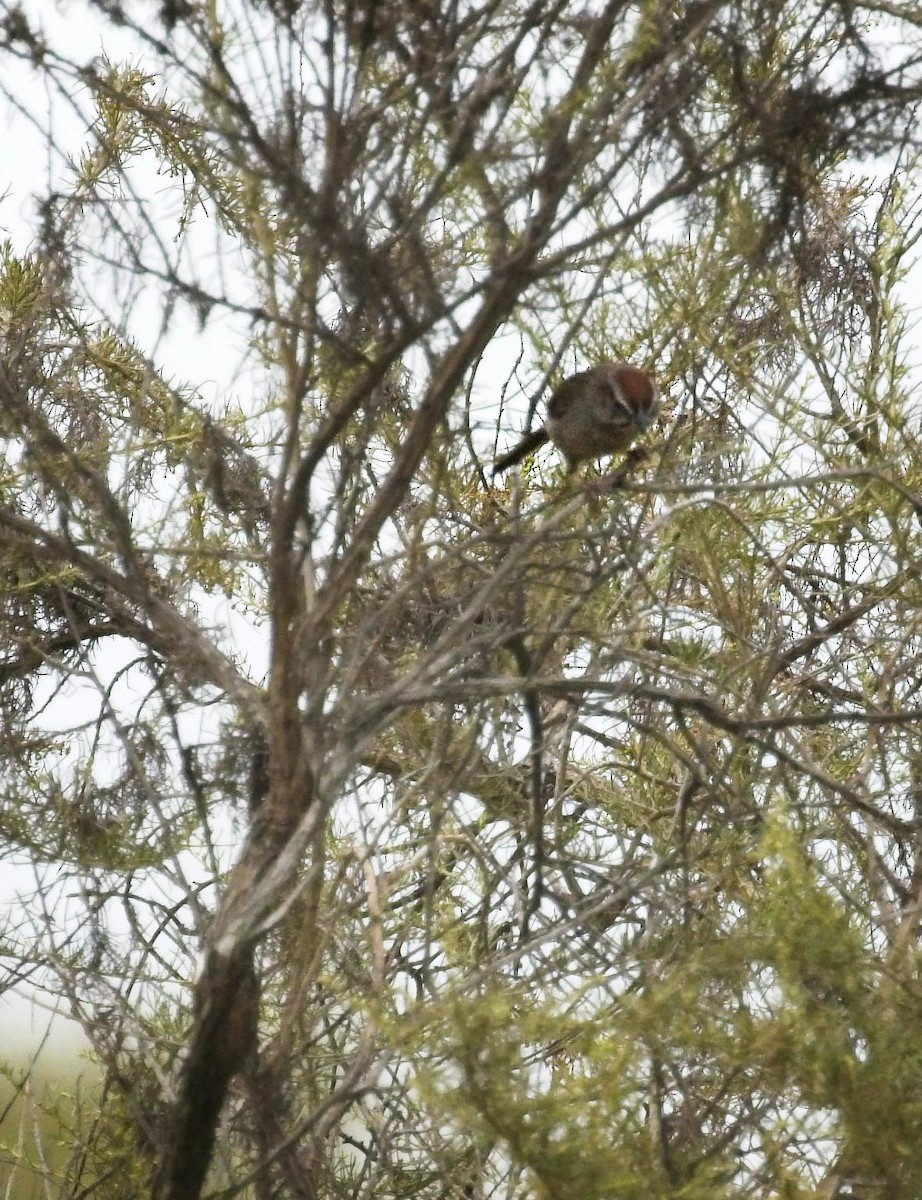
(616, 479)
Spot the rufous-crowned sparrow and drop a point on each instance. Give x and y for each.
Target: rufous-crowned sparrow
(596, 412)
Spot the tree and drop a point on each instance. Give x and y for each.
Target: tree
(396, 833)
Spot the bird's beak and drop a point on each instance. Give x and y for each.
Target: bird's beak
(642, 419)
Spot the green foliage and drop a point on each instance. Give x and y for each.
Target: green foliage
(552, 839)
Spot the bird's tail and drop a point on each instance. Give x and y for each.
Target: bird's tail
(531, 441)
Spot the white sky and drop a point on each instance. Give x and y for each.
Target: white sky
(27, 165)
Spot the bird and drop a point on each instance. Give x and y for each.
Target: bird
(595, 412)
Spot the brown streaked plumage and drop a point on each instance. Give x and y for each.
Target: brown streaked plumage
(596, 412)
